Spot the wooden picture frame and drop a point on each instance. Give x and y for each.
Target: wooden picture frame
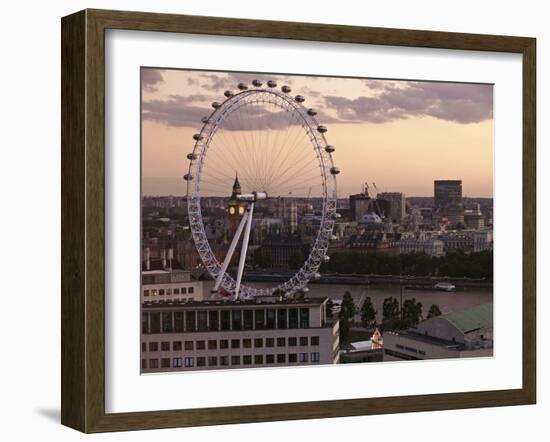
(83, 220)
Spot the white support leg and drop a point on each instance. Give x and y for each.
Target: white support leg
(230, 252)
(243, 250)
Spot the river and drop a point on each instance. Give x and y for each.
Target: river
(447, 302)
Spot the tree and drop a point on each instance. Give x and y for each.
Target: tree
(296, 259)
(434, 311)
(345, 327)
(390, 309)
(368, 313)
(412, 313)
(347, 309)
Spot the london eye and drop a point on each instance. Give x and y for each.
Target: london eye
(272, 140)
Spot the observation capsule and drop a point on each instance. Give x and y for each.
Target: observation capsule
(326, 258)
(256, 83)
(198, 137)
(242, 86)
(334, 170)
(216, 105)
(272, 83)
(187, 177)
(311, 112)
(204, 120)
(286, 89)
(299, 98)
(321, 129)
(329, 148)
(228, 94)
(191, 156)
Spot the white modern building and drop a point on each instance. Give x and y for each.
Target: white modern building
(432, 247)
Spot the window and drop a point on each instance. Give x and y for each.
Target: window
(176, 346)
(292, 342)
(292, 357)
(167, 326)
(293, 318)
(247, 343)
(258, 343)
(269, 342)
(177, 362)
(269, 359)
(212, 344)
(315, 356)
(190, 290)
(224, 343)
(201, 362)
(154, 292)
(176, 291)
(153, 363)
(281, 358)
(281, 318)
(281, 342)
(161, 292)
(188, 362)
(303, 357)
(201, 345)
(258, 359)
(303, 341)
(165, 363)
(154, 317)
(235, 360)
(144, 322)
(315, 340)
(145, 292)
(270, 318)
(183, 290)
(153, 346)
(235, 343)
(247, 360)
(143, 364)
(212, 361)
(203, 320)
(304, 318)
(143, 347)
(188, 345)
(259, 318)
(248, 321)
(236, 319)
(214, 323)
(225, 321)
(190, 324)
(164, 346)
(224, 360)
(178, 322)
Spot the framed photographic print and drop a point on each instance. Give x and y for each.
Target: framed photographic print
(269, 220)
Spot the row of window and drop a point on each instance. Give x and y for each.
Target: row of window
(169, 291)
(222, 344)
(215, 320)
(225, 361)
(412, 350)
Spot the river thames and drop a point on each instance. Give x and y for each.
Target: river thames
(448, 302)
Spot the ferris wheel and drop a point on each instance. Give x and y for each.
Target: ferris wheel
(266, 145)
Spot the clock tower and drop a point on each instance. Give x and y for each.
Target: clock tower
(235, 209)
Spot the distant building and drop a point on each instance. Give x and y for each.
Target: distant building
(447, 193)
(237, 334)
(432, 247)
(162, 285)
(395, 205)
(483, 240)
(467, 333)
(359, 205)
(458, 240)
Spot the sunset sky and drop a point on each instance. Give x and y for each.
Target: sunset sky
(401, 135)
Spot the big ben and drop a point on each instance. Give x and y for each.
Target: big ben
(235, 209)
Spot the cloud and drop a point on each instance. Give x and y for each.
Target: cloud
(456, 102)
(150, 78)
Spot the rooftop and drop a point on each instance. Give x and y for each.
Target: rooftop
(472, 319)
(317, 301)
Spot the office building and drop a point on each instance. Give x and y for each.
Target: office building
(447, 193)
(183, 336)
(395, 205)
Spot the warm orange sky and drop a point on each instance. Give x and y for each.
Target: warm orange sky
(399, 134)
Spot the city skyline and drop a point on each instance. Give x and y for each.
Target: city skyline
(396, 117)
